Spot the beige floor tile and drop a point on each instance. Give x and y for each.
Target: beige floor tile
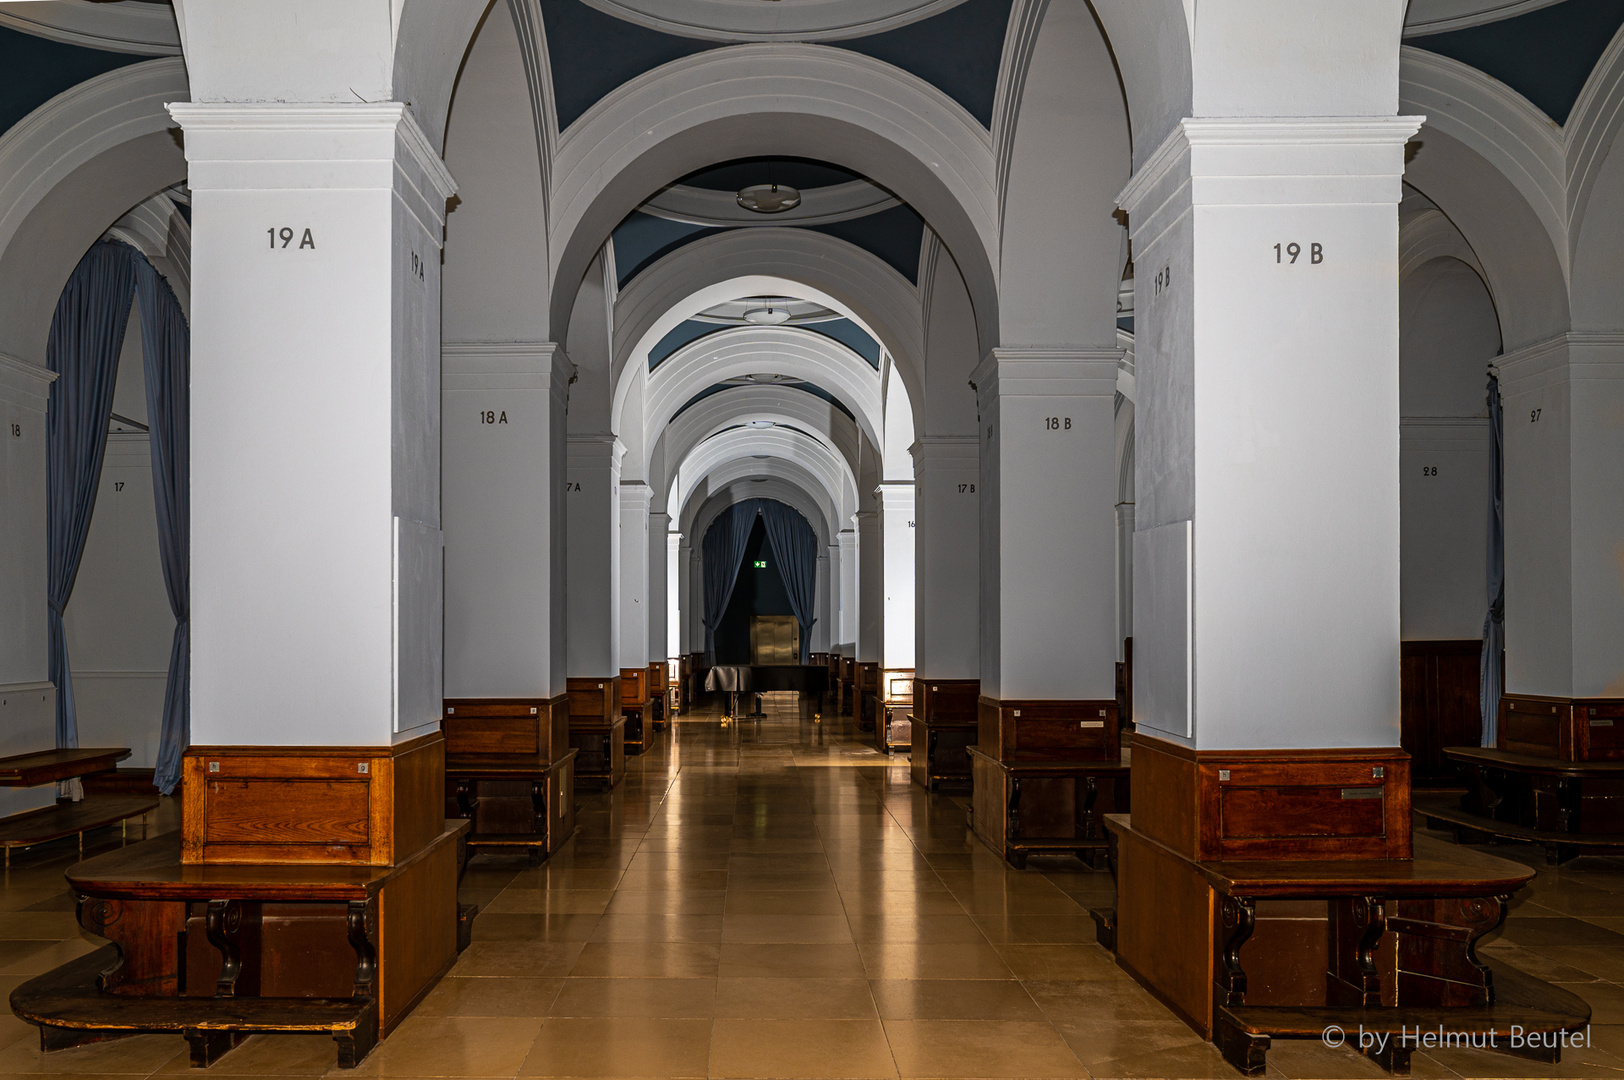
(914, 927)
(551, 902)
(955, 999)
(667, 903)
(900, 904)
(452, 1046)
(800, 1048)
(1043, 962)
(515, 927)
(1037, 929)
(787, 929)
(798, 902)
(620, 1047)
(1001, 1048)
(682, 880)
(525, 959)
(794, 999)
(624, 997)
(647, 960)
(658, 927)
(491, 996)
(933, 961)
(757, 961)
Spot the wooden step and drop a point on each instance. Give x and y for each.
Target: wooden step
(49, 766)
(70, 1009)
(1445, 811)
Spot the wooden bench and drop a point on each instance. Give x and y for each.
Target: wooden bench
(219, 951)
(1397, 953)
(894, 727)
(1569, 808)
(48, 823)
(1038, 803)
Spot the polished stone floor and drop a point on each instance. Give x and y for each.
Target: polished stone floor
(773, 899)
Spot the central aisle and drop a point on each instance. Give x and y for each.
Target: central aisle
(775, 899)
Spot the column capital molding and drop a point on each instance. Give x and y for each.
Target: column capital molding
(595, 450)
(1267, 160)
(1567, 357)
(1046, 370)
(25, 385)
(635, 495)
(504, 365)
(314, 146)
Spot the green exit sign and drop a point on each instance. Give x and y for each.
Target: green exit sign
(761, 564)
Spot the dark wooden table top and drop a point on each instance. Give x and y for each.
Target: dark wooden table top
(496, 766)
(152, 870)
(49, 766)
(1529, 763)
(1438, 869)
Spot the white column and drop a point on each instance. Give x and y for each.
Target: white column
(898, 529)
(27, 698)
(316, 563)
(686, 596)
(593, 496)
(1267, 381)
(947, 470)
(659, 558)
(1048, 533)
(674, 562)
(503, 413)
(1563, 458)
(870, 586)
(1124, 562)
(635, 597)
(848, 592)
(821, 607)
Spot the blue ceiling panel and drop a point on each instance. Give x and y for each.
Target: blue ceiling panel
(957, 52)
(1545, 55)
(642, 239)
(685, 332)
(804, 387)
(592, 53)
(852, 336)
(33, 70)
(893, 236)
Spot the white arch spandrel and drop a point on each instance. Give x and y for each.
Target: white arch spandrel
(768, 261)
(69, 170)
(788, 100)
(801, 354)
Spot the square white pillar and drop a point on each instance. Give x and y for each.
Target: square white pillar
(316, 570)
(1266, 561)
(947, 575)
(592, 493)
(634, 574)
(898, 540)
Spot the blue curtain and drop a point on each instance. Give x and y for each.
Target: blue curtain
(166, 352)
(87, 332)
(1490, 677)
(796, 548)
(723, 551)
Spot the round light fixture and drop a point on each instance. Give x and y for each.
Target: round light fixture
(760, 423)
(769, 198)
(767, 316)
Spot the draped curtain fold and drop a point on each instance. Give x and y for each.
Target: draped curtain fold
(796, 548)
(1491, 677)
(723, 550)
(166, 352)
(87, 332)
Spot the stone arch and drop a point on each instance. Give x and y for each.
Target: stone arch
(769, 260)
(795, 100)
(801, 354)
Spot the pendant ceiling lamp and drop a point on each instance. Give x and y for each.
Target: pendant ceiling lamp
(769, 198)
(767, 316)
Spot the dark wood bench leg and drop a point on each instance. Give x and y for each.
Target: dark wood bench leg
(1245, 1051)
(1012, 832)
(1393, 1058)
(1240, 918)
(354, 1045)
(208, 1045)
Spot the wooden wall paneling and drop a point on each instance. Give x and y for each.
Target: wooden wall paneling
(150, 936)
(1009, 728)
(1304, 804)
(990, 808)
(594, 701)
(1286, 959)
(1167, 924)
(416, 931)
(1438, 704)
(1540, 726)
(1603, 721)
(366, 805)
(1165, 800)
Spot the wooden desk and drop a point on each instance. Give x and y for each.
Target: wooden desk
(1568, 807)
(1397, 952)
(1045, 803)
(514, 805)
(50, 766)
(221, 951)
